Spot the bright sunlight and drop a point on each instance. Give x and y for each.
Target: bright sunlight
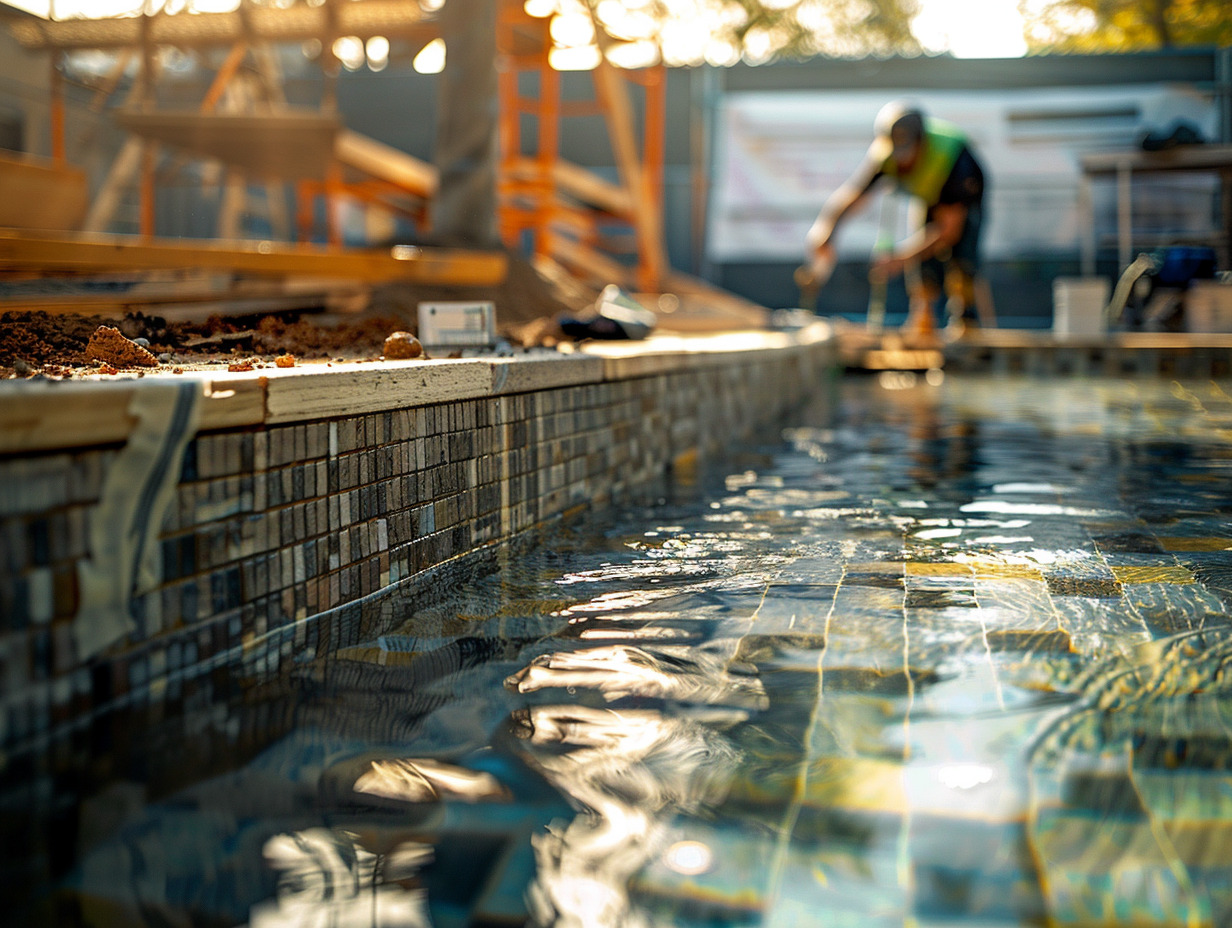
(965, 28)
(971, 28)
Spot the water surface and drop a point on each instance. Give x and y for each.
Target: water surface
(948, 654)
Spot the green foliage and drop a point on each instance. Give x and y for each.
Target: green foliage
(837, 28)
(1125, 25)
(758, 31)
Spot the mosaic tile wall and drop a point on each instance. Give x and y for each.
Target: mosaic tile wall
(275, 534)
(1135, 354)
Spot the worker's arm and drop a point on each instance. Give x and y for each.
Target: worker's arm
(943, 231)
(842, 202)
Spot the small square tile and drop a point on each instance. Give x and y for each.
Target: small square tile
(1160, 574)
(1208, 543)
(1089, 587)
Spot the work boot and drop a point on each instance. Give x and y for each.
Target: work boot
(920, 330)
(959, 305)
(960, 327)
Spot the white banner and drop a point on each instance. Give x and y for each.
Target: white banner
(779, 155)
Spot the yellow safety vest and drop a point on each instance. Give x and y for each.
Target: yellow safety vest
(941, 146)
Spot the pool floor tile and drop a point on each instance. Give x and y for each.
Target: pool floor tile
(1183, 543)
(940, 598)
(1129, 575)
(991, 570)
(1085, 587)
(938, 569)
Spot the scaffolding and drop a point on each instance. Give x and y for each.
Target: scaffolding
(557, 210)
(593, 228)
(243, 120)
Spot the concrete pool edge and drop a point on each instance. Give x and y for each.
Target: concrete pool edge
(45, 415)
(136, 563)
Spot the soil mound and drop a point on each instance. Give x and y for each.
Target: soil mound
(56, 344)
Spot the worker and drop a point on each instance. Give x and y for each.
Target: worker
(932, 160)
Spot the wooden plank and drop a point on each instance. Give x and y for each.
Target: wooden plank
(230, 403)
(591, 189)
(282, 145)
(63, 415)
(736, 309)
(902, 359)
(382, 161)
(189, 308)
(44, 416)
(226, 72)
(690, 313)
(38, 416)
(39, 194)
(647, 214)
(309, 392)
(1181, 158)
(185, 294)
(522, 375)
(47, 252)
(666, 353)
(122, 173)
(597, 267)
(301, 22)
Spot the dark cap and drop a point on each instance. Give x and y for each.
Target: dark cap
(902, 115)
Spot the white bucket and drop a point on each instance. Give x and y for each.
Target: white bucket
(1078, 305)
(1208, 306)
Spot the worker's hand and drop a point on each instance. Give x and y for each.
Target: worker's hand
(886, 266)
(822, 260)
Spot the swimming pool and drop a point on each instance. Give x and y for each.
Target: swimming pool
(950, 652)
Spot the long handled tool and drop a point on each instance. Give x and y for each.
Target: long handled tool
(887, 228)
(811, 277)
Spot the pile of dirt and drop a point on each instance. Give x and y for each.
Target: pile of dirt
(39, 338)
(55, 344)
(59, 344)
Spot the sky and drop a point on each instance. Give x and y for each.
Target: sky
(971, 28)
(965, 28)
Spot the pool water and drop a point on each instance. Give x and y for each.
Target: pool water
(949, 653)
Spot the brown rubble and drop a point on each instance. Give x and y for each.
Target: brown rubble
(111, 347)
(401, 346)
(38, 343)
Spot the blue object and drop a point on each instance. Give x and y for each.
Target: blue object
(1179, 264)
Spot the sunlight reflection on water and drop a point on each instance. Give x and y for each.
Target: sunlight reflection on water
(957, 653)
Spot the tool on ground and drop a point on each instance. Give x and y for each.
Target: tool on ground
(887, 227)
(811, 277)
(1158, 280)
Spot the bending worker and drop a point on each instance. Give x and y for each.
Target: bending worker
(931, 160)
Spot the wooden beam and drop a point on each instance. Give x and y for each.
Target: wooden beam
(700, 294)
(298, 23)
(281, 145)
(57, 109)
(379, 160)
(582, 184)
(49, 252)
(596, 267)
(184, 293)
(125, 168)
(111, 81)
(122, 172)
(149, 155)
(647, 215)
(42, 417)
(40, 194)
(226, 72)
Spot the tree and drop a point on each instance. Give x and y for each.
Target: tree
(1124, 25)
(836, 28)
(723, 32)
